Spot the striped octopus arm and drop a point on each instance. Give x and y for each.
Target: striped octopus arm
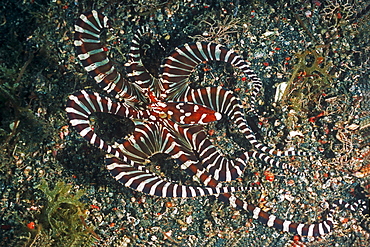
(135, 67)
(81, 105)
(220, 167)
(311, 230)
(93, 56)
(148, 140)
(152, 184)
(180, 64)
(206, 152)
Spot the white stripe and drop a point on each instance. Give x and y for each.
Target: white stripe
(227, 55)
(114, 165)
(88, 22)
(131, 180)
(192, 52)
(286, 225)
(271, 220)
(192, 191)
(101, 144)
(179, 68)
(88, 99)
(84, 56)
(75, 122)
(99, 100)
(145, 182)
(327, 226)
(78, 42)
(121, 174)
(310, 230)
(232, 201)
(201, 192)
(299, 229)
(218, 52)
(84, 132)
(73, 110)
(174, 191)
(209, 189)
(208, 179)
(79, 103)
(82, 30)
(96, 17)
(256, 211)
(154, 187)
(200, 49)
(95, 41)
(183, 189)
(164, 190)
(185, 55)
(178, 61)
(93, 138)
(321, 229)
(95, 65)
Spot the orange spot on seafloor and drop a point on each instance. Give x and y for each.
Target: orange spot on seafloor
(269, 176)
(31, 225)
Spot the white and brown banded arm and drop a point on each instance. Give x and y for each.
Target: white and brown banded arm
(312, 230)
(136, 69)
(271, 220)
(152, 138)
(220, 167)
(152, 184)
(178, 66)
(175, 73)
(148, 140)
(81, 105)
(93, 56)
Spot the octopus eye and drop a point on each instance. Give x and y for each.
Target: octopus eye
(162, 115)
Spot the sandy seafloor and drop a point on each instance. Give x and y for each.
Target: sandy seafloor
(318, 49)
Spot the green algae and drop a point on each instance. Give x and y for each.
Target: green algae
(62, 221)
(310, 78)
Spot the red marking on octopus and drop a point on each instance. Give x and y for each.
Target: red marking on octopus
(190, 113)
